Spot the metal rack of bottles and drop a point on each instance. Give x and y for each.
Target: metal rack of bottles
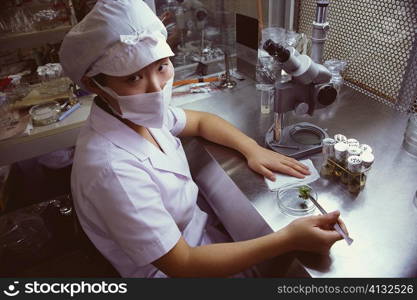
(346, 161)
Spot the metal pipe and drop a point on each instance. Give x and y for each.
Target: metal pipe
(321, 11)
(227, 81)
(259, 8)
(289, 14)
(320, 28)
(278, 126)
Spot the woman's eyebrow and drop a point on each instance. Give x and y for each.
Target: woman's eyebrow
(135, 73)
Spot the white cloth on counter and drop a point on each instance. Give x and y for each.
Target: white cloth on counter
(285, 181)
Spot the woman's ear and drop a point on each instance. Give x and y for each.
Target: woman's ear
(91, 85)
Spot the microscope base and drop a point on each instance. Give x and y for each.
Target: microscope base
(297, 140)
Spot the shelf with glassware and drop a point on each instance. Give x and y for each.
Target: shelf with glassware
(33, 39)
(34, 23)
(47, 138)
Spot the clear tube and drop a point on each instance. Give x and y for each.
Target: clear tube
(266, 94)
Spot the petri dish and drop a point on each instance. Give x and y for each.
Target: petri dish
(290, 203)
(44, 114)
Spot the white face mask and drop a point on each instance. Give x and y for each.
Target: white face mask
(146, 109)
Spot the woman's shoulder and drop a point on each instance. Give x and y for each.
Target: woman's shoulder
(95, 155)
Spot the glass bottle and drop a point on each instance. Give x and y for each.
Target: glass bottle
(352, 150)
(367, 161)
(354, 165)
(340, 153)
(327, 168)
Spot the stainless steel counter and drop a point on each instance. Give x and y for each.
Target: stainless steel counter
(381, 219)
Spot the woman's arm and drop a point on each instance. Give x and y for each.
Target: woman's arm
(261, 160)
(226, 259)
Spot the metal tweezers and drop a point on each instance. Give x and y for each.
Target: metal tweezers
(336, 226)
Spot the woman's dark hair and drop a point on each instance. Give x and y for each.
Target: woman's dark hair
(100, 78)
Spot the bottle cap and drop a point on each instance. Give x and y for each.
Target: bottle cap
(340, 138)
(366, 148)
(353, 142)
(354, 150)
(367, 159)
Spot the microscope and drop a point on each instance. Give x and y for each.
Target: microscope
(308, 89)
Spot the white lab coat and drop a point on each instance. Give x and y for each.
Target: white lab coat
(133, 201)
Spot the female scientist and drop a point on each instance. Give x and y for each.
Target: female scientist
(132, 187)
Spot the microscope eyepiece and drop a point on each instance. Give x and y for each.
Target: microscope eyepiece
(277, 51)
(323, 3)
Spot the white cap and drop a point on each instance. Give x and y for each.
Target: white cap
(117, 37)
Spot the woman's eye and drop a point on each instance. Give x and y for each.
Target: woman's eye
(162, 67)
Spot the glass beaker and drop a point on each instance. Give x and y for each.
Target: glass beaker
(266, 97)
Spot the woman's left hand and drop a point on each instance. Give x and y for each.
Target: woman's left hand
(265, 162)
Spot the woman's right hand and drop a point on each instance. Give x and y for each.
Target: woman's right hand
(314, 234)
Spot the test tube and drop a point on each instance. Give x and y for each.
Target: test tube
(266, 94)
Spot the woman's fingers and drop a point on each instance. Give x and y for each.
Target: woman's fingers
(266, 162)
(265, 172)
(293, 161)
(290, 171)
(285, 168)
(303, 169)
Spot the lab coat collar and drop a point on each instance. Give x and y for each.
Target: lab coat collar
(170, 160)
(124, 137)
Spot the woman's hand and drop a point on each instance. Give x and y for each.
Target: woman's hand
(265, 162)
(315, 234)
